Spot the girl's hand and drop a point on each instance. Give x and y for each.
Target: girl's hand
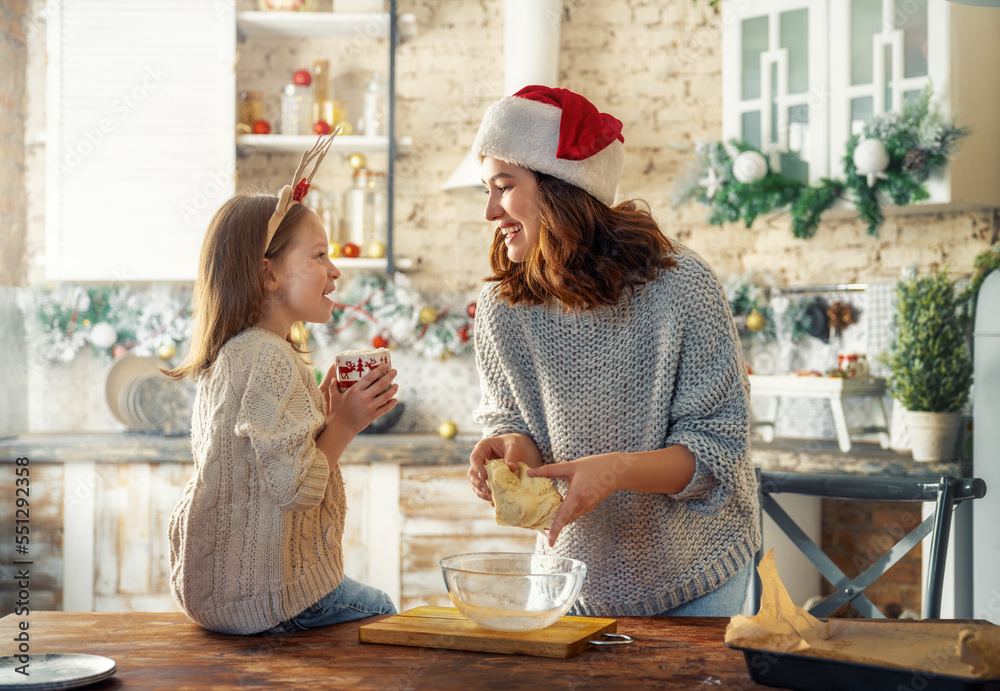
(330, 380)
(591, 480)
(512, 448)
(369, 399)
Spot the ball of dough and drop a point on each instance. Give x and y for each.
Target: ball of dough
(520, 500)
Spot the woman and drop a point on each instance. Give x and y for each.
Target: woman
(609, 362)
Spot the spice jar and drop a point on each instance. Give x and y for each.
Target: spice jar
(366, 212)
(376, 109)
(296, 110)
(251, 107)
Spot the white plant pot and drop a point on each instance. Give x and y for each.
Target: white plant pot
(932, 435)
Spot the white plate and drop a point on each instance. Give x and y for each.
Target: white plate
(54, 671)
(122, 371)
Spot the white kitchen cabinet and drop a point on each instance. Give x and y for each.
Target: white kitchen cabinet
(801, 76)
(774, 57)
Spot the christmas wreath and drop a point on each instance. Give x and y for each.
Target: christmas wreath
(889, 161)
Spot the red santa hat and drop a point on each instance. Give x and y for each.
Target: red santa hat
(559, 133)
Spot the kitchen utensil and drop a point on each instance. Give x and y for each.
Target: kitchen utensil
(510, 591)
(445, 627)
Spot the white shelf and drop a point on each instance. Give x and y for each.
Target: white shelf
(313, 24)
(297, 143)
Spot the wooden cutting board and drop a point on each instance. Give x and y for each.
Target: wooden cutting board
(445, 627)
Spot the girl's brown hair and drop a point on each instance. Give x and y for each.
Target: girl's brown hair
(229, 293)
(588, 254)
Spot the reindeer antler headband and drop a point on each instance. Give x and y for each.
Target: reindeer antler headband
(289, 195)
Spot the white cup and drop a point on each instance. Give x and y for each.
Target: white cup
(352, 365)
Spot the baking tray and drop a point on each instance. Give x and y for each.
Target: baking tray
(821, 674)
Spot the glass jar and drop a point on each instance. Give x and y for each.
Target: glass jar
(366, 213)
(251, 107)
(296, 110)
(376, 110)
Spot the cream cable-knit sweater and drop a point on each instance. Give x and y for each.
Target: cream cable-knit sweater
(663, 366)
(256, 536)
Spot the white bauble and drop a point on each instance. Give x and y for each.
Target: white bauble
(871, 159)
(103, 335)
(749, 166)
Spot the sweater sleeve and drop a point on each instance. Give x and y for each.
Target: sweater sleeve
(710, 414)
(498, 411)
(277, 416)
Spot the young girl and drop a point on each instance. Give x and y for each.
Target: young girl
(255, 541)
(609, 361)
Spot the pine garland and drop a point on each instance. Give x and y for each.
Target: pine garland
(60, 321)
(917, 141)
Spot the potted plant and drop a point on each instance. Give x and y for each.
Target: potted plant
(930, 363)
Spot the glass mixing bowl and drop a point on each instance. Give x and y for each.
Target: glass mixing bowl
(510, 591)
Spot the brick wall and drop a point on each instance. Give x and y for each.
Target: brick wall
(856, 533)
(13, 207)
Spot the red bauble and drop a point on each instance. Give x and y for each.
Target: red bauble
(471, 309)
(463, 332)
(302, 78)
(118, 350)
(350, 250)
(321, 127)
(262, 127)
(379, 342)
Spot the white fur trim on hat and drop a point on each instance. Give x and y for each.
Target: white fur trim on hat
(526, 133)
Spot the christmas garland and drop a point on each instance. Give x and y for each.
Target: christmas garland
(890, 161)
(393, 315)
(63, 320)
(115, 320)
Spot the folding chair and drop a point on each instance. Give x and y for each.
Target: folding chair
(946, 493)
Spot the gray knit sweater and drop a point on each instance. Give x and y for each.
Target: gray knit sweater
(256, 536)
(661, 367)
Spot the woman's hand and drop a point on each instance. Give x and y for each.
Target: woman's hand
(369, 399)
(591, 480)
(512, 448)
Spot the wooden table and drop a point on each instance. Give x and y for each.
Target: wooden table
(167, 651)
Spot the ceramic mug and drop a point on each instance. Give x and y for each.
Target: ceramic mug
(352, 365)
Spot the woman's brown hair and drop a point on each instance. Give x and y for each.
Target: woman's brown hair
(588, 254)
(229, 293)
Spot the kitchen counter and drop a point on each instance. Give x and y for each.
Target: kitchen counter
(788, 455)
(167, 651)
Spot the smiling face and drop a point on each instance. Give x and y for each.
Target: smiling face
(302, 278)
(513, 205)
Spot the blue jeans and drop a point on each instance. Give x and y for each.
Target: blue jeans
(348, 601)
(725, 601)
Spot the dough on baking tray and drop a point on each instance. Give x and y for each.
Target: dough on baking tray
(520, 500)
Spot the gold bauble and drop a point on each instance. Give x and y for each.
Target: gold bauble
(376, 249)
(428, 315)
(756, 321)
(358, 161)
(334, 250)
(166, 351)
(448, 429)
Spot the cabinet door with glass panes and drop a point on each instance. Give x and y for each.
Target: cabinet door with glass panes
(885, 53)
(775, 88)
